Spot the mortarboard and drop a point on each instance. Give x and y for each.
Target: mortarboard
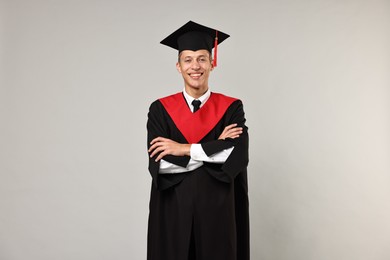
(194, 36)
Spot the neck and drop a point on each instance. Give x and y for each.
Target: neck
(196, 92)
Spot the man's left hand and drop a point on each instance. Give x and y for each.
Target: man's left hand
(164, 146)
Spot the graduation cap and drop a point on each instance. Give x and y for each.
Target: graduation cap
(193, 36)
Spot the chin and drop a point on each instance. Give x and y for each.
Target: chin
(196, 86)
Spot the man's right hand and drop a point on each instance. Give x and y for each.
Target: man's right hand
(230, 131)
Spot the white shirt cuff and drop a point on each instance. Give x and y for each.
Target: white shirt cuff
(198, 154)
(168, 168)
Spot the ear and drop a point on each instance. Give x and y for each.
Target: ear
(178, 67)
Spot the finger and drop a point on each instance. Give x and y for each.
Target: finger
(239, 132)
(154, 140)
(158, 139)
(151, 148)
(235, 134)
(154, 146)
(227, 129)
(230, 126)
(235, 130)
(160, 156)
(156, 151)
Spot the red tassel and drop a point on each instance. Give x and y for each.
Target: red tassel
(215, 49)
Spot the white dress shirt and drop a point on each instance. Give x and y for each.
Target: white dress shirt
(198, 156)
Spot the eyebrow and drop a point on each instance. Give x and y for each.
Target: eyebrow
(200, 56)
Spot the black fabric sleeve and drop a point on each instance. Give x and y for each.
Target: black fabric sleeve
(235, 114)
(157, 126)
(216, 146)
(239, 158)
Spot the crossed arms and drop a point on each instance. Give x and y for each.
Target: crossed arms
(167, 145)
(161, 146)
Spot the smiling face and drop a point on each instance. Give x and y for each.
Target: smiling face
(195, 67)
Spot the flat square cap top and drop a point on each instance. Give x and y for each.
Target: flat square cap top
(193, 36)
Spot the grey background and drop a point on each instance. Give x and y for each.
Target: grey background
(77, 78)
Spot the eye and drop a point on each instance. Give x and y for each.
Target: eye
(187, 60)
(203, 59)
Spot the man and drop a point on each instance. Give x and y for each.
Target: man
(198, 157)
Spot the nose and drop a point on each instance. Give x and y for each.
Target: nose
(195, 65)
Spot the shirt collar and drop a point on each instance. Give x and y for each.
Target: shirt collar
(203, 99)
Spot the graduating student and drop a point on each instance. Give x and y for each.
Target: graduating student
(198, 157)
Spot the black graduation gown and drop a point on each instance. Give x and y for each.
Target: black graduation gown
(201, 214)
